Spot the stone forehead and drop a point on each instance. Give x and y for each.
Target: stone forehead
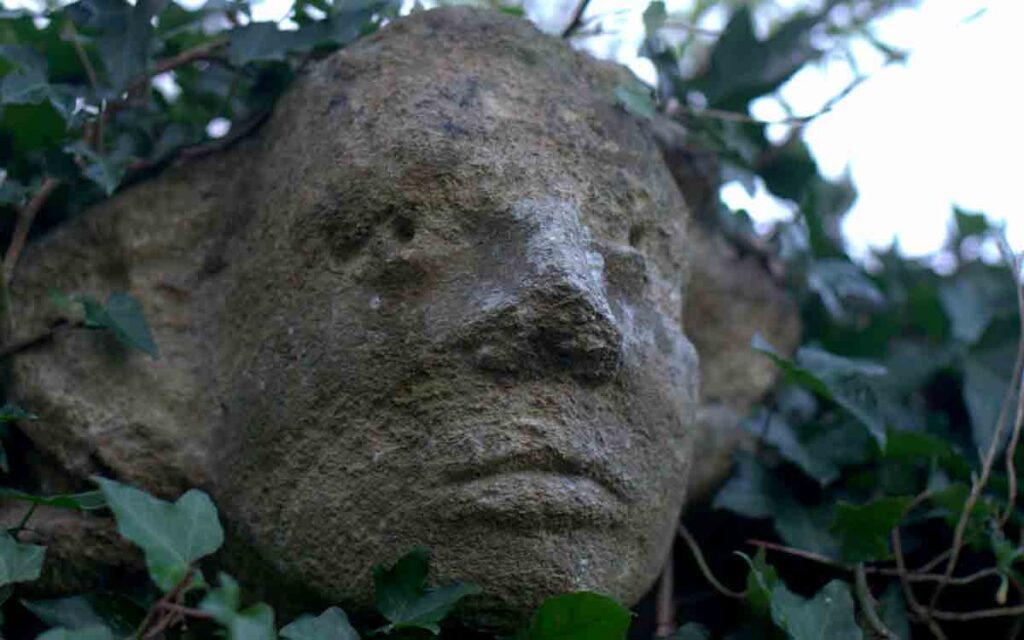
(468, 111)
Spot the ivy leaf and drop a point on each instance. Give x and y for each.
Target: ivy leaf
(636, 99)
(28, 83)
(892, 610)
(829, 614)
(259, 42)
(123, 316)
(691, 631)
(172, 536)
(121, 614)
(986, 381)
(254, 623)
(332, 624)
(761, 579)
(19, 562)
(85, 501)
(10, 413)
(851, 384)
(843, 288)
(403, 598)
(579, 616)
(106, 170)
(864, 529)
(742, 67)
(99, 632)
(753, 492)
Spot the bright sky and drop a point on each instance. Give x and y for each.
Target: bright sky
(943, 129)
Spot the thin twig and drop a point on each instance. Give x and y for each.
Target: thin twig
(908, 591)
(20, 346)
(702, 564)
(25, 217)
(732, 116)
(23, 524)
(188, 612)
(867, 604)
(577, 18)
(72, 34)
(200, 52)
(800, 553)
(986, 470)
(965, 616)
(680, 25)
(880, 571)
(1015, 263)
(170, 597)
(664, 606)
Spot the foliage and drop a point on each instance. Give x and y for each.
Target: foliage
(885, 475)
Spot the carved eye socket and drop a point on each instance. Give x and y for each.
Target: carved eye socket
(625, 269)
(403, 228)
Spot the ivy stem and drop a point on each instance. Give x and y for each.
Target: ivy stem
(666, 611)
(867, 604)
(577, 19)
(702, 564)
(171, 597)
(25, 217)
(988, 461)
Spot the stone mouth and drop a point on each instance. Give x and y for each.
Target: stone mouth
(542, 463)
(531, 499)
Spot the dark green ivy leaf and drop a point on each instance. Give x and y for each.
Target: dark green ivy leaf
(106, 170)
(742, 67)
(636, 99)
(260, 42)
(829, 615)
(332, 624)
(253, 623)
(123, 316)
(691, 631)
(87, 633)
(761, 580)
(172, 536)
(863, 530)
(853, 385)
(19, 562)
(113, 610)
(10, 413)
(403, 598)
(579, 616)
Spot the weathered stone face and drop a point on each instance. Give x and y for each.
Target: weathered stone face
(463, 330)
(436, 301)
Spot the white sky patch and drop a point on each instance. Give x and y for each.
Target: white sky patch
(942, 130)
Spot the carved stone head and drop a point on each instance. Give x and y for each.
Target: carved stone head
(445, 311)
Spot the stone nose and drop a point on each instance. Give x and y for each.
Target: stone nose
(555, 314)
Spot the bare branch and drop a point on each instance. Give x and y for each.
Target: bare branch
(26, 216)
(577, 19)
(867, 605)
(666, 610)
(702, 564)
(908, 591)
(987, 463)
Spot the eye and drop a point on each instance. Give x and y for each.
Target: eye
(403, 228)
(625, 269)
